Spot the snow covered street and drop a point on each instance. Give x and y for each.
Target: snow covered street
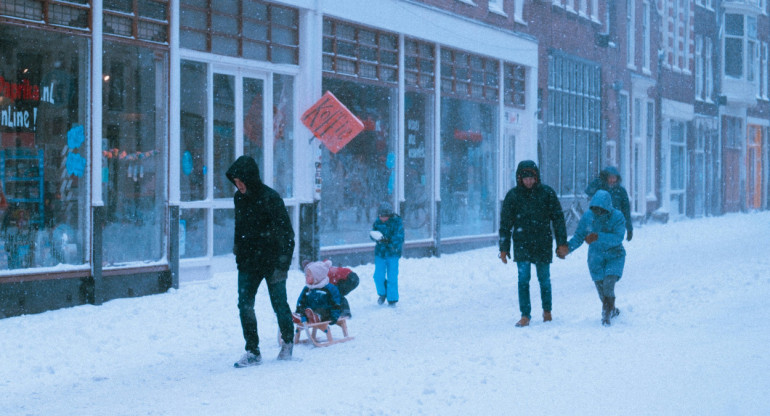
(691, 339)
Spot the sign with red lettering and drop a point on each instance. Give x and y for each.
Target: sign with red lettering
(331, 122)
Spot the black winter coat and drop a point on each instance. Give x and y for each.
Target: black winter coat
(527, 216)
(264, 238)
(618, 193)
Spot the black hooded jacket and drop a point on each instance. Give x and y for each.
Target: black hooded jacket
(264, 238)
(618, 193)
(527, 216)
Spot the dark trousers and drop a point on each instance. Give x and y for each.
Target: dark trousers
(543, 277)
(606, 287)
(248, 283)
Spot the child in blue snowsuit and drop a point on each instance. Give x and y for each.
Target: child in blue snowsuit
(388, 232)
(319, 295)
(603, 228)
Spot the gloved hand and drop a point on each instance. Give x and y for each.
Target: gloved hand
(629, 235)
(277, 276)
(590, 238)
(503, 255)
(562, 251)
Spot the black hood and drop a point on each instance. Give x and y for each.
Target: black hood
(246, 169)
(528, 166)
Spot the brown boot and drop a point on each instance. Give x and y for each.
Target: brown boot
(524, 321)
(547, 316)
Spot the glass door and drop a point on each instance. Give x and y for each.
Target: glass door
(223, 117)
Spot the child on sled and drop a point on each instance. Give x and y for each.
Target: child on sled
(319, 300)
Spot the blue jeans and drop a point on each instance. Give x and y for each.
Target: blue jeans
(386, 266)
(248, 283)
(543, 277)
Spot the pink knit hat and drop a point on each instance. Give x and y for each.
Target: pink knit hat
(317, 274)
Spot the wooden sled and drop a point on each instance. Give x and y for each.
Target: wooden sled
(311, 330)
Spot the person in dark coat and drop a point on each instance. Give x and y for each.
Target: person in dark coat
(388, 232)
(263, 247)
(609, 180)
(530, 210)
(602, 229)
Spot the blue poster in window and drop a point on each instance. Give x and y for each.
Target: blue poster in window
(76, 164)
(75, 136)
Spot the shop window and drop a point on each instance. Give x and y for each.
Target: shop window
(418, 166)
(68, 13)
(194, 85)
(362, 174)
(193, 234)
(468, 167)
(360, 52)
(133, 145)
(43, 148)
(250, 29)
(224, 231)
(283, 132)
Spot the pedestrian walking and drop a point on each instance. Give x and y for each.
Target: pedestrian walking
(388, 233)
(263, 247)
(602, 227)
(530, 210)
(609, 180)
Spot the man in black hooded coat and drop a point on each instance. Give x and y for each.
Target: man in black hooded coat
(529, 212)
(263, 247)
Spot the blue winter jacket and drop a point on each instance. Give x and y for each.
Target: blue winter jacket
(324, 301)
(392, 237)
(610, 228)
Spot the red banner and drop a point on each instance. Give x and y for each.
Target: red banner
(331, 122)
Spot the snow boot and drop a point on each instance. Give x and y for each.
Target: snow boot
(249, 359)
(615, 311)
(524, 321)
(381, 299)
(606, 312)
(286, 350)
(547, 316)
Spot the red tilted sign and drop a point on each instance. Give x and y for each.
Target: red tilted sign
(332, 122)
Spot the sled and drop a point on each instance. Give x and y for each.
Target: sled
(313, 326)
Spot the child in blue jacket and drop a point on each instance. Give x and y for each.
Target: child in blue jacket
(319, 295)
(602, 228)
(388, 233)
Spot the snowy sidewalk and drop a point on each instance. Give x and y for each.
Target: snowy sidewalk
(692, 339)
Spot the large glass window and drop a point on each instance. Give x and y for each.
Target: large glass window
(133, 144)
(678, 167)
(468, 167)
(417, 164)
(734, 45)
(43, 148)
(574, 128)
(224, 133)
(283, 132)
(194, 83)
(361, 175)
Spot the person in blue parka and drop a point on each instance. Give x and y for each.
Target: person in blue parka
(602, 228)
(388, 233)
